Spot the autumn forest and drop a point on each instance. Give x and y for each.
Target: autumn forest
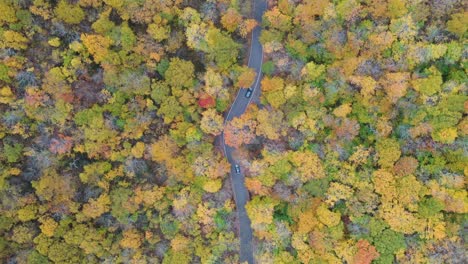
(112, 131)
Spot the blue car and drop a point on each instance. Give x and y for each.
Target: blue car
(249, 92)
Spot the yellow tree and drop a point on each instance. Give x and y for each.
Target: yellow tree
(338, 191)
(246, 78)
(458, 23)
(138, 150)
(247, 26)
(399, 219)
(278, 20)
(269, 124)
(90, 3)
(6, 95)
(56, 189)
(327, 217)
(367, 84)
(399, 199)
(308, 164)
(276, 99)
(7, 13)
(274, 91)
(159, 29)
(180, 73)
(97, 45)
(260, 210)
(385, 185)
(307, 220)
(397, 8)
(205, 215)
(214, 83)
(272, 84)
(148, 197)
(48, 226)
(454, 198)
(255, 186)
(14, 40)
(342, 110)
(180, 243)
(96, 207)
(306, 11)
(69, 13)
(388, 151)
(212, 122)
(212, 186)
(312, 71)
(231, 19)
(103, 24)
(164, 149)
(132, 239)
(210, 165)
(359, 156)
(430, 85)
(395, 84)
(27, 213)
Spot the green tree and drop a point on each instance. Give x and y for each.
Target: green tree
(69, 13)
(222, 48)
(170, 109)
(430, 207)
(430, 85)
(35, 257)
(119, 197)
(388, 151)
(27, 213)
(387, 243)
(103, 25)
(180, 73)
(13, 152)
(312, 71)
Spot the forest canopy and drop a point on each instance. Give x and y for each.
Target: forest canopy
(357, 152)
(111, 112)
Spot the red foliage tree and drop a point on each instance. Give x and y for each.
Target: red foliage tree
(365, 253)
(206, 101)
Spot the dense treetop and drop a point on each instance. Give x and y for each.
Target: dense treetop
(109, 111)
(358, 151)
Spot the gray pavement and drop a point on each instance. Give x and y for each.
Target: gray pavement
(239, 106)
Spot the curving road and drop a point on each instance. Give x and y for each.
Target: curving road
(238, 108)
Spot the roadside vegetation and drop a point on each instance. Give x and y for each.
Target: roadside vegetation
(109, 111)
(358, 153)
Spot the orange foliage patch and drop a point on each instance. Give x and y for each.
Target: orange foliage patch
(206, 101)
(61, 145)
(365, 253)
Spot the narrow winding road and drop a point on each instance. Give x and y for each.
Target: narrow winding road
(238, 108)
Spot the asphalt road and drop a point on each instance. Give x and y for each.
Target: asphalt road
(237, 108)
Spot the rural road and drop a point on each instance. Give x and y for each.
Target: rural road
(238, 108)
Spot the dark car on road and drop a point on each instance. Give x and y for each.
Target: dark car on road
(237, 168)
(249, 92)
